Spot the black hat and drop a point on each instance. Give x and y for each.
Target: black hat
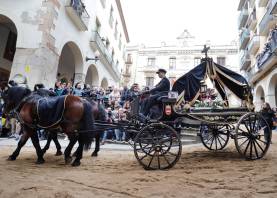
(161, 70)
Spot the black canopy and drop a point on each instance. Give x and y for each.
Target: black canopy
(188, 85)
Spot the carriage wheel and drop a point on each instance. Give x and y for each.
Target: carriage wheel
(252, 136)
(214, 137)
(157, 146)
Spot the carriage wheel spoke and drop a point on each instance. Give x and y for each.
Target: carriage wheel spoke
(247, 127)
(243, 142)
(261, 141)
(259, 145)
(220, 141)
(159, 163)
(151, 159)
(222, 138)
(256, 151)
(209, 138)
(215, 143)
(212, 143)
(251, 149)
(166, 160)
(246, 147)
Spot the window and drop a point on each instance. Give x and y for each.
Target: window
(119, 42)
(113, 54)
(197, 61)
(103, 2)
(221, 61)
(98, 25)
(115, 30)
(149, 81)
(172, 63)
(107, 43)
(111, 17)
(151, 61)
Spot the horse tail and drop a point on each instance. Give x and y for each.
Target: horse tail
(87, 126)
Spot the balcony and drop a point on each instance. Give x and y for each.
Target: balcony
(262, 3)
(241, 4)
(129, 60)
(267, 59)
(126, 74)
(273, 8)
(252, 20)
(97, 43)
(243, 18)
(244, 38)
(245, 60)
(78, 14)
(267, 23)
(254, 44)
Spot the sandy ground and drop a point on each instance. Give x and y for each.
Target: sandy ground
(199, 173)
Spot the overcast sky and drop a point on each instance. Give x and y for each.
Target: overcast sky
(163, 20)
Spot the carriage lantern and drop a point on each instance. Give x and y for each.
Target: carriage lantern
(203, 87)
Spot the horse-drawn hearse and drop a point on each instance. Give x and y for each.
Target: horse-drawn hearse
(156, 139)
(157, 143)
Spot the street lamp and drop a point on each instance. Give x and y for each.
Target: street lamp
(96, 57)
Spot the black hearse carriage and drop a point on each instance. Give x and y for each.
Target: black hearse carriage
(157, 143)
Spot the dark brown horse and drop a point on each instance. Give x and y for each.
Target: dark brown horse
(99, 114)
(76, 116)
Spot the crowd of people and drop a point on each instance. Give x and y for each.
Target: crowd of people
(115, 100)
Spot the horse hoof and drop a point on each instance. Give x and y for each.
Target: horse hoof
(76, 163)
(68, 160)
(58, 153)
(40, 161)
(11, 158)
(94, 154)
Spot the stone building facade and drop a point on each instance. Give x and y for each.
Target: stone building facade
(177, 57)
(46, 40)
(258, 46)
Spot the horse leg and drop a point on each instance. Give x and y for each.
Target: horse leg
(97, 144)
(21, 143)
(40, 153)
(58, 146)
(49, 138)
(79, 154)
(67, 151)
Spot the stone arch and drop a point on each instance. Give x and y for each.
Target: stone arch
(272, 91)
(92, 77)
(104, 83)
(260, 97)
(8, 35)
(70, 66)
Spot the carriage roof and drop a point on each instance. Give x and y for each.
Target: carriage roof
(189, 84)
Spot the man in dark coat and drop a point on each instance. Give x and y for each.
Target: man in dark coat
(161, 89)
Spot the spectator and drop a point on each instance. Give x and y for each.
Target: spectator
(58, 88)
(78, 90)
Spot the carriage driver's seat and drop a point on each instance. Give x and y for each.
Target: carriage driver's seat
(156, 110)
